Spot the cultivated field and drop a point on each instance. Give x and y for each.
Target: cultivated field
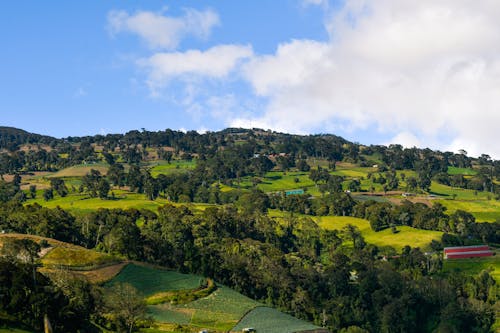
(269, 320)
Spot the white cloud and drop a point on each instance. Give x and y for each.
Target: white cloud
(216, 62)
(160, 31)
(430, 68)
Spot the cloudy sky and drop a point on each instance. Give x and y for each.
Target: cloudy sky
(420, 73)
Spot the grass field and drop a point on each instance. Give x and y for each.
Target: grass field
(76, 257)
(82, 203)
(150, 281)
(81, 170)
(275, 181)
(268, 320)
(483, 210)
(461, 194)
(474, 266)
(461, 171)
(163, 167)
(405, 236)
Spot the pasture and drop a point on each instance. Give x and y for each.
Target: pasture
(74, 257)
(461, 171)
(269, 320)
(483, 210)
(474, 266)
(163, 167)
(406, 235)
(82, 203)
(80, 170)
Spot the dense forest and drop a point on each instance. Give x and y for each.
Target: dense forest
(334, 278)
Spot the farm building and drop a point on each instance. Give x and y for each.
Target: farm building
(460, 252)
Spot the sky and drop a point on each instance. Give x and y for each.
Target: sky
(418, 73)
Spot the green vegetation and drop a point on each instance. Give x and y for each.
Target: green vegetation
(76, 257)
(474, 266)
(220, 311)
(162, 167)
(183, 296)
(150, 281)
(317, 255)
(405, 235)
(268, 320)
(81, 203)
(483, 210)
(461, 171)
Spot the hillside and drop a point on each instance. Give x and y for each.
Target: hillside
(313, 225)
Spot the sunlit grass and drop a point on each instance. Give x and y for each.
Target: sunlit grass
(405, 235)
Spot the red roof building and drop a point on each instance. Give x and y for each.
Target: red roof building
(461, 252)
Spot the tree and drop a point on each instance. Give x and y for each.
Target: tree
(33, 191)
(103, 188)
(125, 306)
(48, 194)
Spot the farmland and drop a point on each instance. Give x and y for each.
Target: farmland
(221, 310)
(268, 320)
(153, 280)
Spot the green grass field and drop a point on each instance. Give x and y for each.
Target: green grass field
(461, 171)
(474, 266)
(163, 167)
(269, 320)
(461, 194)
(76, 256)
(275, 181)
(405, 236)
(483, 210)
(82, 203)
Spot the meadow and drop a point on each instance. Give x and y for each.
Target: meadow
(76, 257)
(162, 167)
(405, 235)
(473, 266)
(81, 203)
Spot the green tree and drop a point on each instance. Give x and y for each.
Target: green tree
(125, 306)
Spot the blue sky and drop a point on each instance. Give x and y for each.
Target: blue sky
(425, 73)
